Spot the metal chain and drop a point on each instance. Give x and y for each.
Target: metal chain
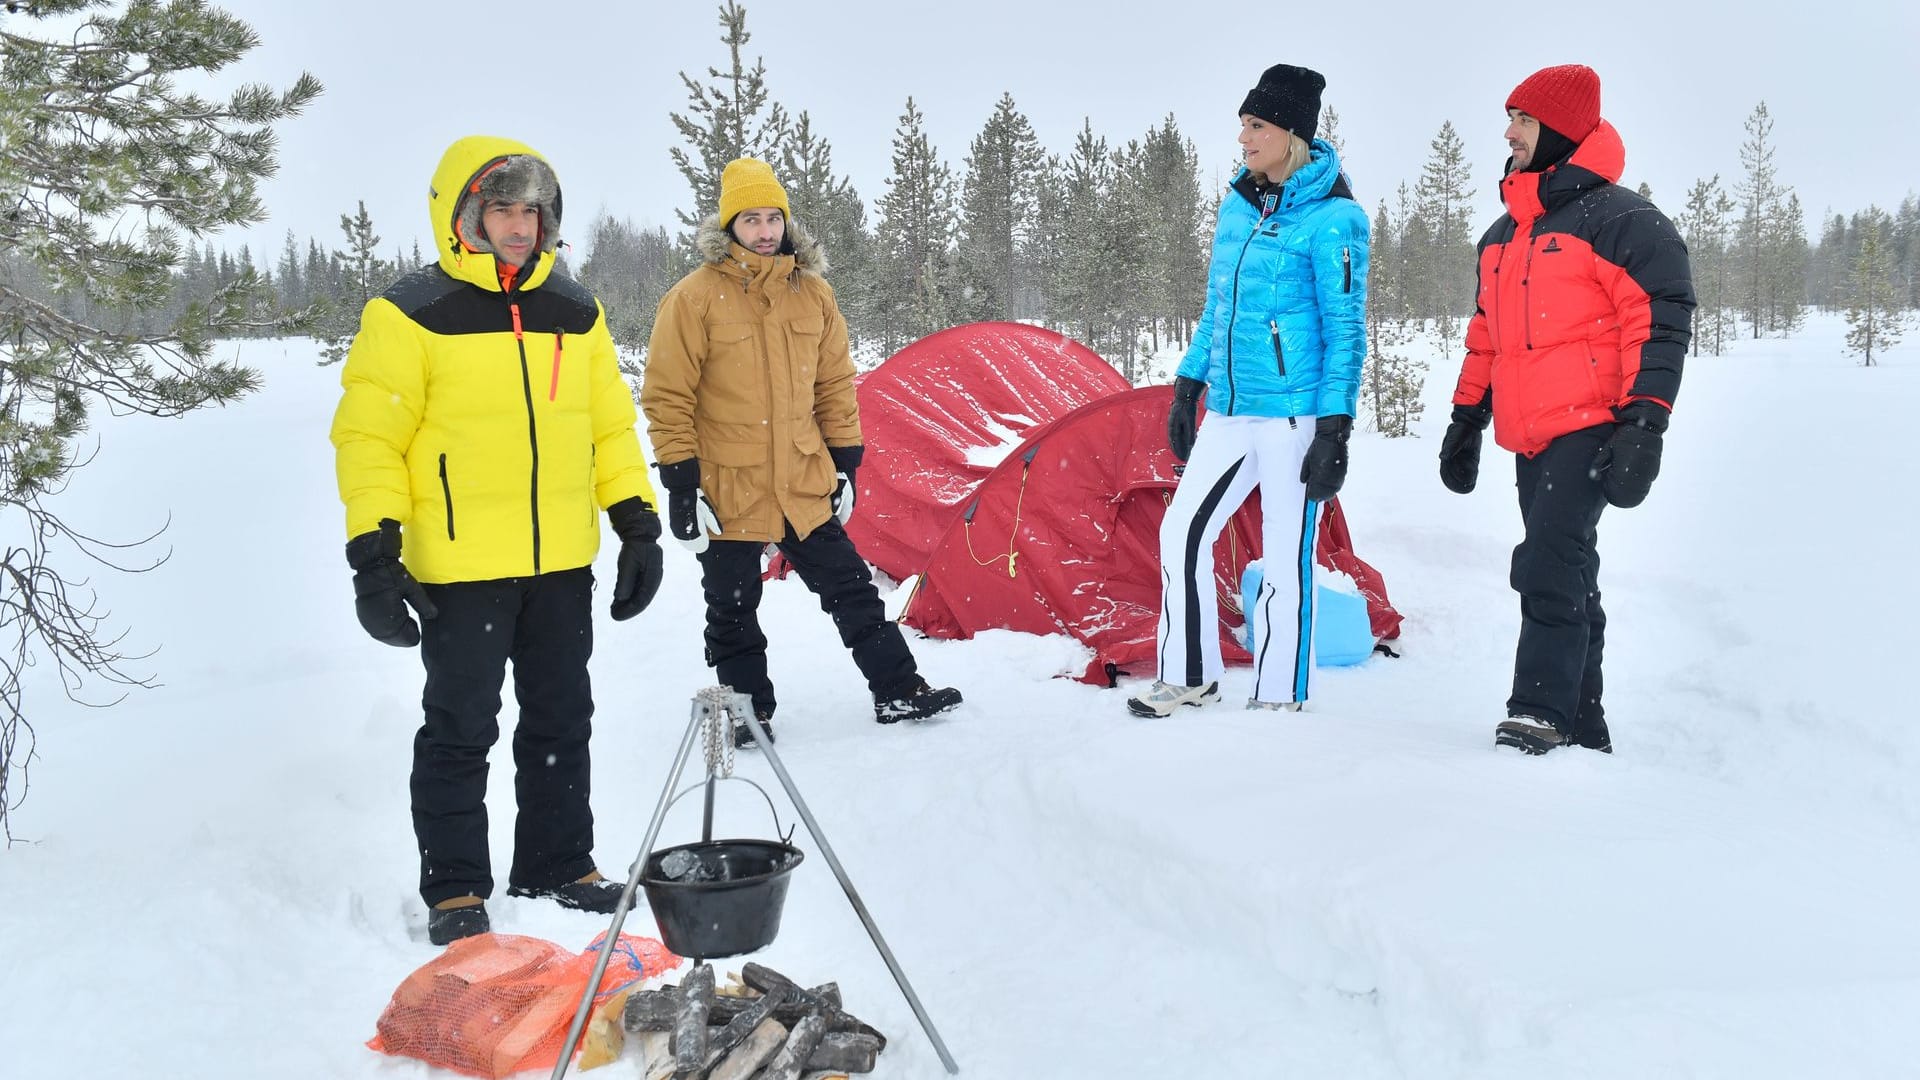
(716, 709)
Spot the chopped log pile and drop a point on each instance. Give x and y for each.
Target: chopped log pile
(762, 1026)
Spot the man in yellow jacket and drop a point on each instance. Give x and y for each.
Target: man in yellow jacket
(484, 423)
(750, 405)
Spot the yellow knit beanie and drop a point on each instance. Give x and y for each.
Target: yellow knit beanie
(746, 183)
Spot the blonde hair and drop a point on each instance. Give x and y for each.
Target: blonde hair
(1298, 154)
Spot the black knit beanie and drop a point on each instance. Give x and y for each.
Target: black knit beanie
(1289, 97)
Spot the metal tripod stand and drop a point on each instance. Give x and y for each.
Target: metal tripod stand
(715, 711)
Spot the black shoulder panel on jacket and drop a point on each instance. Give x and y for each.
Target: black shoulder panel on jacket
(421, 288)
(445, 305)
(1631, 233)
(560, 303)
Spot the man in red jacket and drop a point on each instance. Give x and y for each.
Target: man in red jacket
(1585, 312)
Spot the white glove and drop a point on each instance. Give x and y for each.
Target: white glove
(843, 498)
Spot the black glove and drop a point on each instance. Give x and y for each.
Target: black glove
(641, 563)
(690, 513)
(1460, 447)
(1630, 460)
(846, 459)
(382, 588)
(1183, 420)
(1324, 469)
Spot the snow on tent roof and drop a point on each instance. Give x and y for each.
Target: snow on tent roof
(937, 417)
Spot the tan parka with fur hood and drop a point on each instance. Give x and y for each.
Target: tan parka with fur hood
(748, 371)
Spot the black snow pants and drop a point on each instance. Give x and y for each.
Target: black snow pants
(830, 566)
(544, 626)
(1556, 571)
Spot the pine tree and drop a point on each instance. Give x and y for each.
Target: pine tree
(833, 213)
(1444, 204)
(1330, 131)
(1124, 270)
(1906, 251)
(1706, 226)
(366, 276)
(629, 269)
(1080, 286)
(1827, 268)
(1393, 380)
(1415, 260)
(292, 286)
(997, 215)
(723, 120)
(106, 159)
(1176, 220)
(915, 239)
(1770, 239)
(1875, 320)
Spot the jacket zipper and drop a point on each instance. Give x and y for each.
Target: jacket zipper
(1346, 265)
(1234, 309)
(553, 383)
(1278, 357)
(446, 492)
(533, 430)
(1526, 292)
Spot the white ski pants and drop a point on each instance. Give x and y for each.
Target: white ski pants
(1231, 456)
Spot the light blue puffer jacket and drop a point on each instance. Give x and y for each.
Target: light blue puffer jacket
(1284, 332)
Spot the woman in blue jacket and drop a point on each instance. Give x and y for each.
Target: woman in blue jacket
(1277, 354)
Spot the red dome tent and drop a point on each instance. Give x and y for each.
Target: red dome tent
(939, 414)
(1063, 537)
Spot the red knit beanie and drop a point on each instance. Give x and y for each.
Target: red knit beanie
(1565, 98)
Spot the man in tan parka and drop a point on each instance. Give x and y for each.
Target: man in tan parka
(750, 404)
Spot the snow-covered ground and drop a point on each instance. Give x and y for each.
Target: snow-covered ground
(217, 878)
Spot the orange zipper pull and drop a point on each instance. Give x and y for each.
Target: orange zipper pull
(553, 384)
(515, 308)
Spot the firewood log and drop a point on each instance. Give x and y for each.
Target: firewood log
(806, 1035)
(747, 1058)
(722, 1041)
(690, 1027)
(845, 1051)
(765, 978)
(656, 1010)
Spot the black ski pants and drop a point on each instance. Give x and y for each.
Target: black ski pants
(543, 626)
(830, 566)
(1556, 571)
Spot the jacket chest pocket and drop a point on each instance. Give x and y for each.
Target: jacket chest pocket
(803, 352)
(731, 343)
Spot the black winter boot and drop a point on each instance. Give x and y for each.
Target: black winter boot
(917, 702)
(743, 735)
(446, 925)
(593, 893)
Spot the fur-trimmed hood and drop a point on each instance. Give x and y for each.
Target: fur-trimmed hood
(498, 168)
(713, 241)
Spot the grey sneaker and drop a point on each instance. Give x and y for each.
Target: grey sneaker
(1276, 706)
(1162, 698)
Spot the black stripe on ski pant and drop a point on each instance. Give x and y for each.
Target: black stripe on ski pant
(1189, 566)
(832, 569)
(543, 627)
(1556, 571)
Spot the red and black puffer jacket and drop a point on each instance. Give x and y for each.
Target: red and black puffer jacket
(1585, 301)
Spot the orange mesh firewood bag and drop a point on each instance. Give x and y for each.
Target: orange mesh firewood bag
(495, 1004)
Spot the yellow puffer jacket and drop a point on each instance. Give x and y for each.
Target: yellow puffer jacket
(492, 424)
(748, 371)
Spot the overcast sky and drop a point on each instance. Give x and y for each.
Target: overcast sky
(590, 85)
